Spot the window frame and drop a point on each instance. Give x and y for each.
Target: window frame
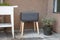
(1, 1)
(54, 5)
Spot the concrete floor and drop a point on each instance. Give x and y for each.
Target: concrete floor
(29, 35)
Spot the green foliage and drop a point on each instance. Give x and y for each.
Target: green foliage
(4, 4)
(48, 21)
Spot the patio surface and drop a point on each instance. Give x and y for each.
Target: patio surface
(29, 35)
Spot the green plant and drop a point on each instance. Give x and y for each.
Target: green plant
(48, 21)
(4, 4)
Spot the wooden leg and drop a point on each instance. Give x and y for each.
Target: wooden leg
(22, 27)
(37, 27)
(34, 26)
(12, 23)
(13, 31)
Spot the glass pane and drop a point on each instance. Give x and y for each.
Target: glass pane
(58, 5)
(54, 5)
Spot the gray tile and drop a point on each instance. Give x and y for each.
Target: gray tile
(28, 36)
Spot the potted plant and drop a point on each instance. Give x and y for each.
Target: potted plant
(4, 4)
(47, 25)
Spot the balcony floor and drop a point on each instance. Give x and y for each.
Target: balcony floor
(28, 35)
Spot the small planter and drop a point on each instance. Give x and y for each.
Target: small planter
(47, 30)
(48, 23)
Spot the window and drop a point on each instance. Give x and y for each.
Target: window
(56, 6)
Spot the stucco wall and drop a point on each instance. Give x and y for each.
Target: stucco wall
(55, 15)
(28, 5)
(44, 7)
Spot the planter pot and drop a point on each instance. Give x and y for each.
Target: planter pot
(47, 30)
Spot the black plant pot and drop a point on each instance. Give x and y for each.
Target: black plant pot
(47, 30)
